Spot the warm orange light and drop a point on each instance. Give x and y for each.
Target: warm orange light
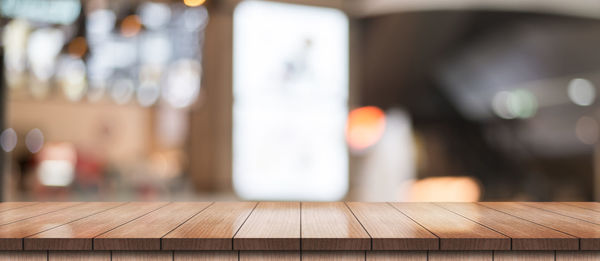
(131, 26)
(193, 3)
(444, 189)
(77, 47)
(365, 127)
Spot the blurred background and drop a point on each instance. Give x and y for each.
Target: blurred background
(315, 100)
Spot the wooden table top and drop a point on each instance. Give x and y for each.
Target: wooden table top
(299, 226)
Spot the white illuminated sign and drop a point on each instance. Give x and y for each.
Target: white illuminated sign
(290, 102)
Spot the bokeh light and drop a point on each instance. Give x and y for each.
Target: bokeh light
(183, 83)
(8, 139)
(122, 90)
(34, 141)
(131, 26)
(44, 46)
(581, 92)
(444, 189)
(77, 47)
(194, 3)
(72, 78)
(57, 165)
(99, 24)
(148, 93)
(154, 15)
(365, 127)
(520, 103)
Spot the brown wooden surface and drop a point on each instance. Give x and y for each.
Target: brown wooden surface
(396, 255)
(269, 256)
(11, 235)
(292, 226)
(331, 226)
(205, 256)
(271, 226)
(433, 255)
(587, 205)
(588, 233)
(392, 230)
(577, 255)
(525, 235)
(455, 232)
(17, 214)
(460, 256)
(523, 255)
(79, 256)
(24, 255)
(4, 206)
(212, 229)
(145, 232)
(78, 234)
(568, 210)
(333, 256)
(142, 256)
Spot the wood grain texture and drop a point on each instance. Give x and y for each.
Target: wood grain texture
(568, 210)
(595, 206)
(4, 206)
(523, 255)
(211, 229)
(525, 235)
(269, 256)
(145, 232)
(331, 226)
(588, 233)
(24, 255)
(142, 256)
(392, 230)
(455, 232)
(205, 256)
(17, 214)
(333, 255)
(79, 256)
(78, 234)
(577, 255)
(460, 256)
(271, 226)
(396, 255)
(11, 235)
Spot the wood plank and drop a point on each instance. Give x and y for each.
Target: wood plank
(79, 256)
(271, 226)
(17, 214)
(4, 206)
(588, 233)
(392, 230)
(525, 235)
(567, 210)
(212, 229)
(577, 255)
(206, 256)
(269, 256)
(333, 255)
(331, 226)
(78, 235)
(460, 256)
(396, 255)
(142, 256)
(145, 232)
(11, 235)
(455, 232)
(24, 255)
(523, 255)
(595, 206)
